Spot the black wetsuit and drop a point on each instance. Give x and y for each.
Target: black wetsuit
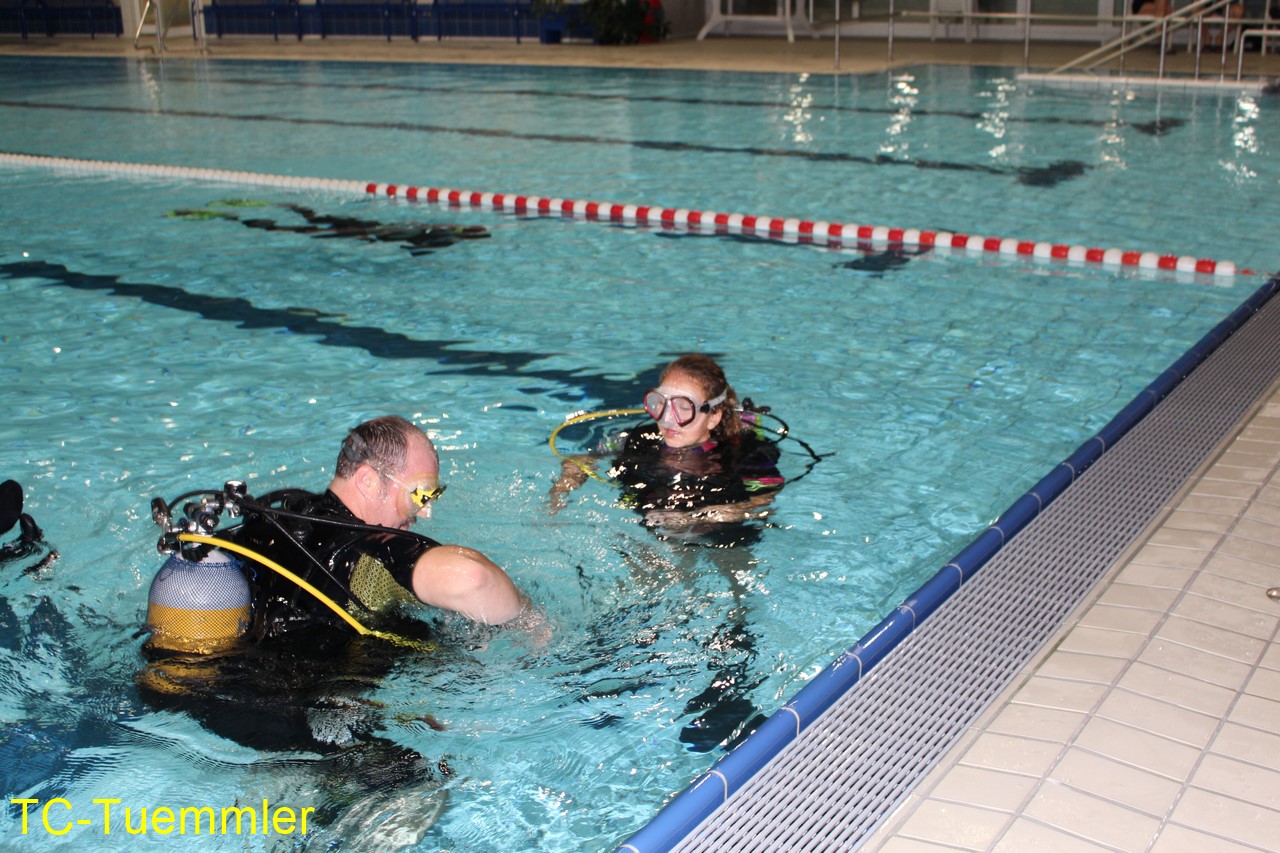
(336, 552)
(297, 681)
(657, 477)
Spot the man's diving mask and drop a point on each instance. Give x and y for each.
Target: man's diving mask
(683, 409)
(419, 496)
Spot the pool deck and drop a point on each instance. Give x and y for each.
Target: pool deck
(1152, 720)
(804, 55)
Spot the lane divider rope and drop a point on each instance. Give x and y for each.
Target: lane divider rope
(790, 230)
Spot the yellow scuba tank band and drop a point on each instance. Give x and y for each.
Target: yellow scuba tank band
(320, 596)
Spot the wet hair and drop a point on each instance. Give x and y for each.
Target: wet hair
(382, 443)
(710, 379)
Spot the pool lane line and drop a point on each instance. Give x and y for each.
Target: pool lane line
(1156, 127)
(1040, 176)
(800, 230)
(788, 230)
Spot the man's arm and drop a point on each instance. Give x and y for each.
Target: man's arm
(465, 581)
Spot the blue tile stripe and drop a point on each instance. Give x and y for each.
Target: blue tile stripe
(684, 813)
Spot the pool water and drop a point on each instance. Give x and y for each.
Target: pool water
(162, 335)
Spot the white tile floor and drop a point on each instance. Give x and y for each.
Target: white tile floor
(1153, 721)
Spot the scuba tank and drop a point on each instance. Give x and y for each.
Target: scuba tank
(199, 601)
(198, 606)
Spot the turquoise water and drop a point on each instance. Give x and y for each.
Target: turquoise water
(146, 354)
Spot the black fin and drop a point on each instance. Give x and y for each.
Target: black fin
(10, 505)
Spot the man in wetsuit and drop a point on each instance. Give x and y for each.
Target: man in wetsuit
(387, 474)
(298, 681)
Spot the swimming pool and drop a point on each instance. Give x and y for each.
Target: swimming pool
(147, 353)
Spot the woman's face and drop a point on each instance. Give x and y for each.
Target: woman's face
(698, 430)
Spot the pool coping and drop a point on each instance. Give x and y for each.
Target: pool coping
(1112, 83)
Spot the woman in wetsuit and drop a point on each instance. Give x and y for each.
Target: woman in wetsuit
(696, 463)
(696, 472)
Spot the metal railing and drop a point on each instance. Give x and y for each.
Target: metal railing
(1161, 28)
(1263, 33)
(160, 16)
(1192, 19)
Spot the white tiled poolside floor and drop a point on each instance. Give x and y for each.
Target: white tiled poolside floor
(1153, 720)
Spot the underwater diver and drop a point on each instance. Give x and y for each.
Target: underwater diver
(293, 675)
(30, 541)
(696, 473)
(877, 261)
(416, 238)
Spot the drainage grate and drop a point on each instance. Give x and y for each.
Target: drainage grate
(831, 786)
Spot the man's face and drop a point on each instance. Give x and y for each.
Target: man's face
(421, 471)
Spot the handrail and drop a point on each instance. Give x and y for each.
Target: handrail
(1126, 42)
(1143, 35)
(1026, 19)
(155, 7)
(164, 21)
(1263, 32)
(1195, 14)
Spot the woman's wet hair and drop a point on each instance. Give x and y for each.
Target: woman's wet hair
(710, 379)
(382, 442)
